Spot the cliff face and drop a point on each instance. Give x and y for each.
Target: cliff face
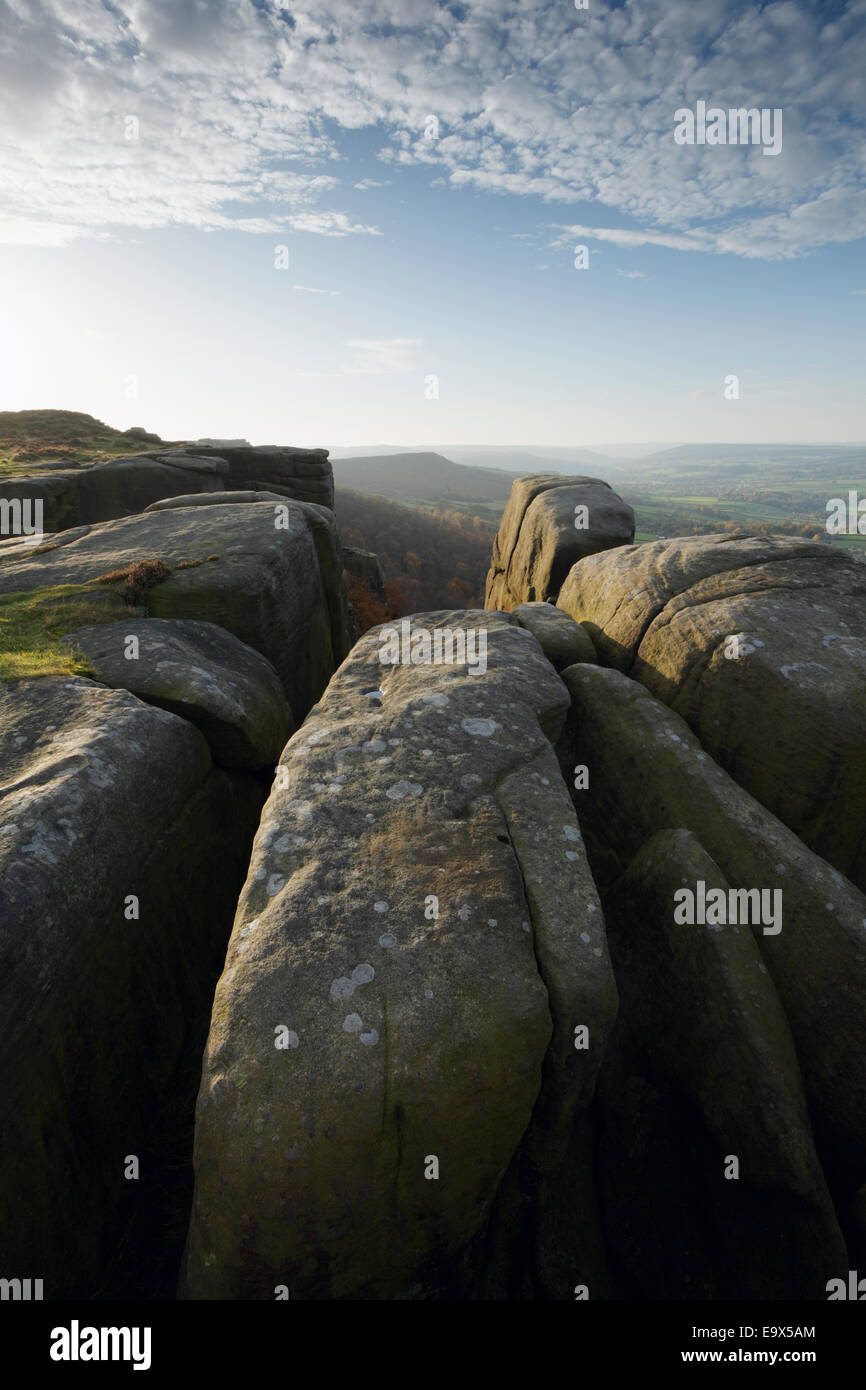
(546, 974)
(126, 485)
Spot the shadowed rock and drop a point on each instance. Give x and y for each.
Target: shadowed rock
(121, 851)
(647, 772)
(201, 672)
(122, 486)
(701, 1071)
(366, 566)
(563, 641)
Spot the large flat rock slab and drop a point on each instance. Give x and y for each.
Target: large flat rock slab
(418, 937)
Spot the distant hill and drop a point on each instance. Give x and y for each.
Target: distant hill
(431, 558)
(30, 438)
(536, 459)
(496, 458)
(423, 477)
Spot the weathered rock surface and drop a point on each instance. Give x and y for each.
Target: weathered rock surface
(647, 772)
(563, 641)
(417, 940)
(304, 474)
(105, 802)
(201, 672)
(538, 540)
(281, 590)
(122, 486)
(787, 715)
(701, 1070)
(205, 499)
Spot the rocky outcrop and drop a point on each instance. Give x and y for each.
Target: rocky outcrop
(121, 852)
(760, 644)
(549, 523)
(201, 672)
(638, 770)
(304, 474)
(119, 487)
(270, 573)
(483, 1030)
(366, 566)
(563, 641)
(392, 1052)
(123, 486)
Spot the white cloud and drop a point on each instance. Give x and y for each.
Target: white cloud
(241, 111)
(311, 289)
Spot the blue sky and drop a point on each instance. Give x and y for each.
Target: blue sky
(139, 277)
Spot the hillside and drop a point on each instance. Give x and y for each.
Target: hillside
(68, 437)
(423, 477)
(436, 559)
(686, 490)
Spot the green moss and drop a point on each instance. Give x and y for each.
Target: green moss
(33, 624)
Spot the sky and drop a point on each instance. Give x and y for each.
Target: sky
(356, 222)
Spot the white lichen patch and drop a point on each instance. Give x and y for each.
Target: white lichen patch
(484, 728)
(398, 790)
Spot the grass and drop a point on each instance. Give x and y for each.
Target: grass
(133, 581)
(66, 438)
(32, 625)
